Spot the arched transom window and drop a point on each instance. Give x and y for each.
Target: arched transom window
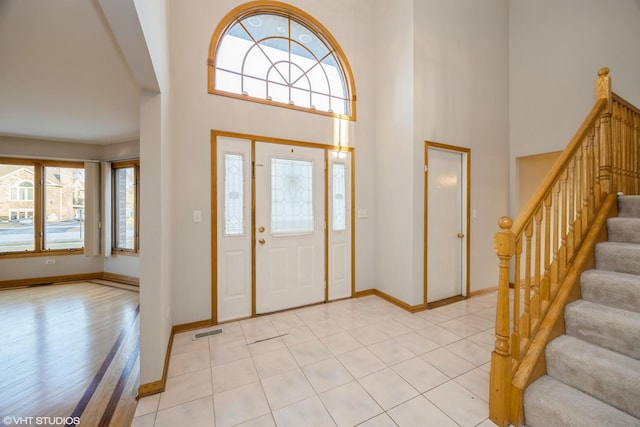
(274, 53)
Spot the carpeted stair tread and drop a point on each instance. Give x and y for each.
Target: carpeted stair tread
(620, 257)
(550, 403)
(601, 373)
(607, 327)
(629, 206)
(623, 229)
(619, 290)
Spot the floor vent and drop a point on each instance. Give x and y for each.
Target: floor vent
(207, 333)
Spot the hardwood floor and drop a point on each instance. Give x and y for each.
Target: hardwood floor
(69, 351)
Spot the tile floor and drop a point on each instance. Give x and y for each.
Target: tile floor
(356, 362)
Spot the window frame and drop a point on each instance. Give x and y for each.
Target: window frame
(285, 10)
(135, 165)
(39, 207)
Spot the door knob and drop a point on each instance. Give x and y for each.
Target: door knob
(261, 241)
(261, 229)
(460, 235)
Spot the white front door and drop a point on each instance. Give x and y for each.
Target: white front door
(289, 226)
(446, 224)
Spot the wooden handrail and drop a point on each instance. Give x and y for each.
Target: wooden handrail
(543, 251)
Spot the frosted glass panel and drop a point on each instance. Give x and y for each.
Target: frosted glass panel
(339, 190)
(291, 196)
(233, 195)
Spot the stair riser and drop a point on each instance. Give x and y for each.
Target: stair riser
(626, 230)
(603, 374)
(612, 289)
(549, 402)
(629, 206)
(618, 257)
(602, 326)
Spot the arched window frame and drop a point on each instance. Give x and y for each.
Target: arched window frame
(285, 10)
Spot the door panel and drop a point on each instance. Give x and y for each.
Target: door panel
(233, 185)
(446, 243)
(289, 218)
(339, 224)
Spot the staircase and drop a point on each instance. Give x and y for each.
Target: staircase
(593, 371)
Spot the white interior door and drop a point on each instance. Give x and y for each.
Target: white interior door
(446, 222)
(290, 226)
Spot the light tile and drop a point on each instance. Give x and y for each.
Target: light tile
(325, 327)
(197, 413)
(461, 327)
(464, 407)
(184, 343)
(350, 404)
(340, 343)
(477, 382)
(439, 335)
(187, 387)
(233, 374)
(416, 343)
(382, 420)
(361, 362)
(274, 363)
(298, 335)
(222, 353)
(147, 405)
(287, 388)
(485, 340)
(263, 421)
(239, 405)
(479, 321)
(487, 423)
(391, 352)
(327, 374)
(470, 352)
(420, 412)
(285, 321)
(434, 316)
(230, 332)
(368, 335)
(309, 352)
(144, 420)
(392, 328)
(266, 346)
(420, 374)
(412, 321)
(388, 388)
(184, 363)
(309, 413)
(258, 328)
(447, 362)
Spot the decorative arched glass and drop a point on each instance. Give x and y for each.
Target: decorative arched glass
(273, 53)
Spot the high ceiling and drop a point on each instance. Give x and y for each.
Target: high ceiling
(62, 75)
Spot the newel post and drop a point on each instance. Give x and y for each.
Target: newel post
(501, 365)
(603, 91)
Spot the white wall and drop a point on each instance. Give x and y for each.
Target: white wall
(195, 112)
(556, 49)
(394, 130)
(462, 100)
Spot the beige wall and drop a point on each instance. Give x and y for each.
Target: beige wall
(530, 171)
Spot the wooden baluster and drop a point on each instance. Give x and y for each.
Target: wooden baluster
(580, 185)
(517, 291)
(603, 91)
(636, 156)
(526, 317)
(563, 225)
(501, 361)
(535, 302)
(586, 168)
(591, 177)
(546, 282)
(555, 270)
(571, 212)
(597, 190)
